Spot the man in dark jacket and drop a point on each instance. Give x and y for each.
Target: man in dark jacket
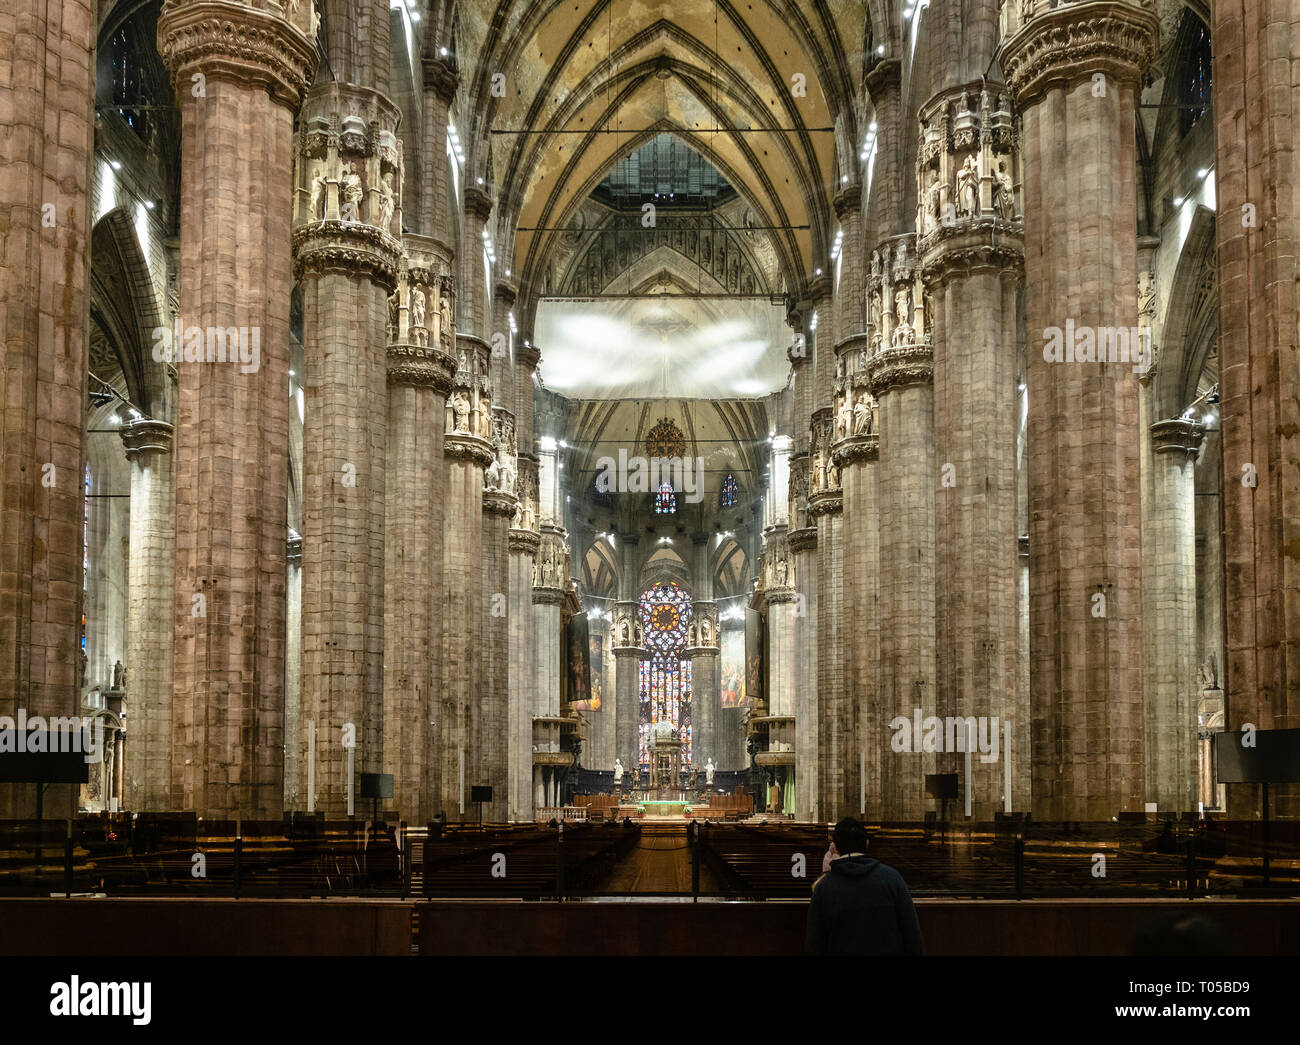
(860, 906)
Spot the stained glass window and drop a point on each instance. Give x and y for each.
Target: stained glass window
(665, 500)
(729, 492)
(665, 676)
(1197, 79)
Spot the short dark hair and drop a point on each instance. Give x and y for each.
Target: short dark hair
(850, 836)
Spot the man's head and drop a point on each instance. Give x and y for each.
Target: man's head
(850, 836)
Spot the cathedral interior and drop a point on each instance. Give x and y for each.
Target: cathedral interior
(525, 416)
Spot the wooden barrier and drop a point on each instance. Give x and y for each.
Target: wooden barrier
(149, 927)
(776, 928)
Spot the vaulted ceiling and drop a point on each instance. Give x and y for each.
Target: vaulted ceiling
(754, 86)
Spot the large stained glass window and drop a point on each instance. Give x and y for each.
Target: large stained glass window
(665, 500)
(665, 675)
(729, 492)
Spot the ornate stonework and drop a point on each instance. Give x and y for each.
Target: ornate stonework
(900, 367)
(146, 436)
(243, 43)
(1179, 435)
(1064, 45)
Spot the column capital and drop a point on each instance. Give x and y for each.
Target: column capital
(478, 203)
(848, 199)
(498, 502)
(527, 356)
(899, 367)
(441, 77)
(471, 448)
(820, 287)
(239, 43)
(349, 247)
(803, 539)
(1177, 435)
(507, 291)
(146, 435)
(854, 448)
(525, 542)
(1069, 44)
(886, 73)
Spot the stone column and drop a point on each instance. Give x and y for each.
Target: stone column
(972, 259)
(468, 451)
(420, 368)
(1075, 75)
(346, 255)
(231, 493)
(294, 747)
(706, 679)
(48, 70)
(1172, 693)
(627, 654)
(1257, 93)
(550, 581)
(887, 208)
(150, 564)
(523, 542)
(900, 375)
(475, 301)
(856, 452)
(825, 509)
(430, 186)
(802, 542)
(500, 483)
(779, 598)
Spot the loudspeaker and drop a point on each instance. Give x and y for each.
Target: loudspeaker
(479, 793)
(1274, 758)
(941, 785)
(376, 785)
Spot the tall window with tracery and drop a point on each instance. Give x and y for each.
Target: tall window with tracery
(1197, 80)
(665, 500)
(730, 491)
(665, 675)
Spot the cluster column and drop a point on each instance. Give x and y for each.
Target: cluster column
(1257, 94)
(900, 376)
(468, 452)
(971, 262)
(1171, 693)
(1075, 73)
(232, 432)
(420, 368)
(49, 77)
(346, 256)
(150, 564)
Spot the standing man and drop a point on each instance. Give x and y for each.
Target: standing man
(860, 906)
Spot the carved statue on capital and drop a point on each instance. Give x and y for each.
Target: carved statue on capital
(864, 415)
(1004, 201)
(459, 408)
(968, 188)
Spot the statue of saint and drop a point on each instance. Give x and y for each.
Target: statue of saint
(387, 202)
(618, 772)
(417, 315)
(844, 421)
(352, 194)
(317, 194)
(861, 416)
(1003, 199)
(460, 411)
(708, 773)
(933, 203)
(968, 188)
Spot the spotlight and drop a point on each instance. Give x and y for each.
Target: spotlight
(1203, 172)
(1179, 201)
(115, 165)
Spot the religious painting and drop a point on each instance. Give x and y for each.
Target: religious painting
(579, 657)
(754, 659)
(596, 661)
(733, 668)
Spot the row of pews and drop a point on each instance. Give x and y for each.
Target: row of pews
(161, 854)
(527, 861)
(1015, 860)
